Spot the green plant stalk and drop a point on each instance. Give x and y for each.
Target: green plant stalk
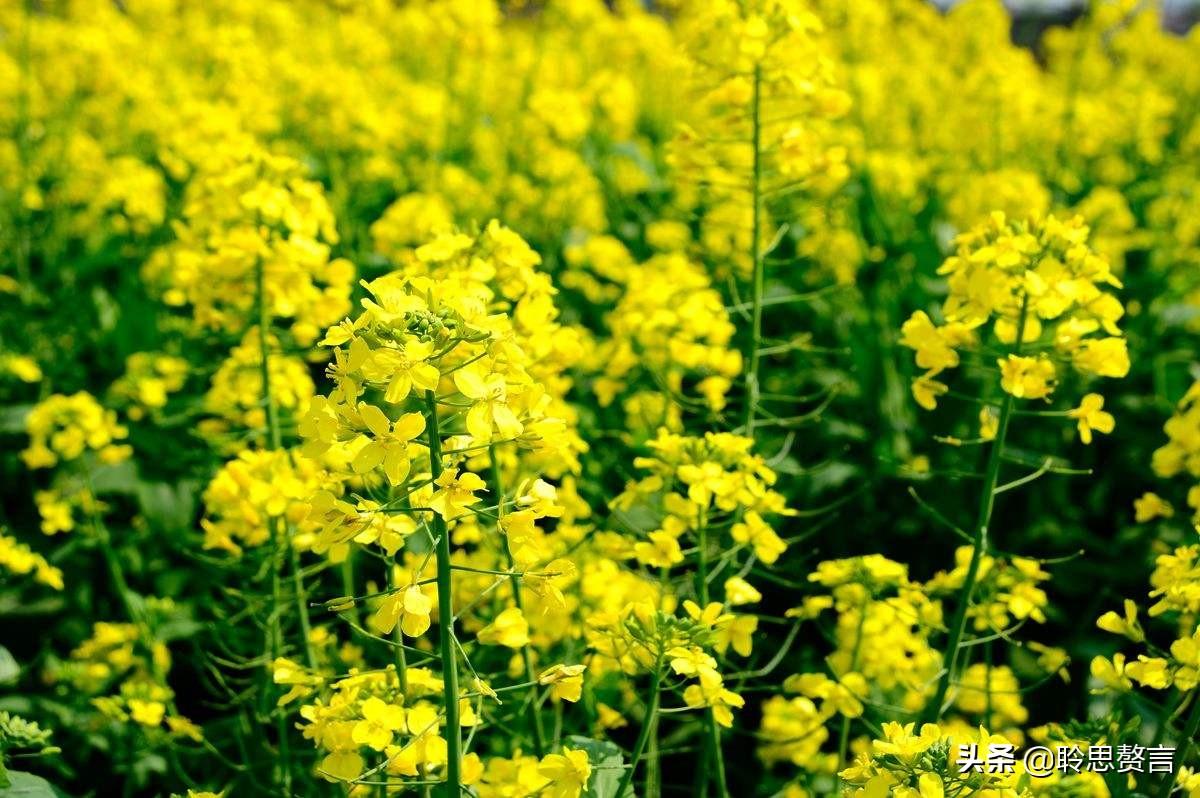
(714, 731)
(399, 657)
(1185, 747)
(987, 684)
(298, 588)
(653, 768)
(539, 738)
(648, 723)
(979, 543)
(759, 280)
(445, 597)
(276, 650)
(274, 442)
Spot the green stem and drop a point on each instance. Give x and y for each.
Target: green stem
(445, 597)
(273, 442)
(302, 607)
(539, 739)
(347, 573)
(648, 723)
(652, 786)
(987, 684)
(1181, 755)
(756, 297)
(714, 730)
(400, 658)
(979, 543)
(276, 650)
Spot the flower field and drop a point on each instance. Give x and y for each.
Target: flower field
(565, 399)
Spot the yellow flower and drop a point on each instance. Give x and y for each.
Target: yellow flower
(989, 422)
(661, 551)
(1107, 357)
(380, 720)
(410, 608)
(691, 661)
(926, 391)
(566, 681)
(738, 591)
(147, 713)
(1152, 672)
(755, 531)
(22, 367)
(403, 369)
(568, 773)
(490, 405)
(737, 632)
(933, 351)
(509, 628)
(711, 693)
(1127, 626)
(1149, 506)
(455, 493)
(342, 766)
(388, 444)
(1092, 417)
(1027, 377)
(900, 741)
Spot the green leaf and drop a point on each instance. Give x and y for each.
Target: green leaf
(607, 761)
(27, 785)
(9, 669)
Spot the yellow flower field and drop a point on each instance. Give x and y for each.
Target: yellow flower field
(573, 399)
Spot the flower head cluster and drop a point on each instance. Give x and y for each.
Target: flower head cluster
(911, 763)
(235, 398)
(64, 428)
(251, 490)
(1042, 294)
(250, 212)
(127, 680)
(1179, 455)
(670, 326)
(1006, 591)
(760, 117)
(884, 621)
(149, 379)
(17, 558)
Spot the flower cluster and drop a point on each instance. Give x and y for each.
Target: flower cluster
(64, 428)
(1040, 291)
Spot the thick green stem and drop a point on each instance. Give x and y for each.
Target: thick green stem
(653, 784)
(539, 738)
(979, 543)
(714, 731)
(757, 290)
(445, 597)
(648, 724)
